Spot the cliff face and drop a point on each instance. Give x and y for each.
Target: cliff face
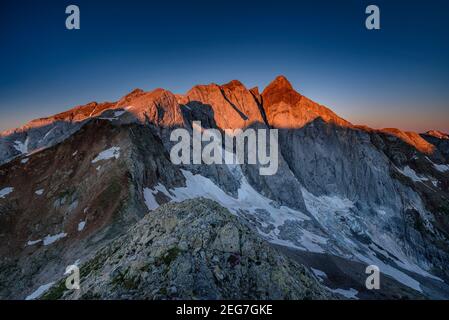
(344, 196)
(286, 108)
(233, 106)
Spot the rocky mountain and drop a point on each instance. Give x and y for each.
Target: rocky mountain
(94, 186)
(194, 249)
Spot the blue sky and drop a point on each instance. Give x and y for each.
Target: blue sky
(394, 77)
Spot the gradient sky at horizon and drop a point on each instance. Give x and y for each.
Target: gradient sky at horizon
(395, 77)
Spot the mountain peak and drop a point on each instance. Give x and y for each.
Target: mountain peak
(281, 82)
(234, 84)
(286, 108)
(437, 134)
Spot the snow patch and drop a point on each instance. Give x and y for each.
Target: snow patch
(119, 113)
(441, 167)
(307, 241)
(23, 161)
(81, 225)
(248, 200)
(5, 191)
(48, 240)
(110, 153)
(150, 200)
(319, 274)
(20, 146)
(33, 242)
(409, 172)
(347, 293)
(39, 192)
(40, 291)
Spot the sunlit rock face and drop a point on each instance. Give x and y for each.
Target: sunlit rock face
(286, 108)
(233, 106)
(73, 184)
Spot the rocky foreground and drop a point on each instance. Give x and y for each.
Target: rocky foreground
(192, 250)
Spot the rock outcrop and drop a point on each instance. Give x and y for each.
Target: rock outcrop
(192, 250)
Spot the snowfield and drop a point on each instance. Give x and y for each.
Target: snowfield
(328, 211)
(248, 201)
(337, 216)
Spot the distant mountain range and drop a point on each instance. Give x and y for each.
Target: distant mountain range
(94, 186)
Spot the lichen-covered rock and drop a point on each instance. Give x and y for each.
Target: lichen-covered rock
(192, 250)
